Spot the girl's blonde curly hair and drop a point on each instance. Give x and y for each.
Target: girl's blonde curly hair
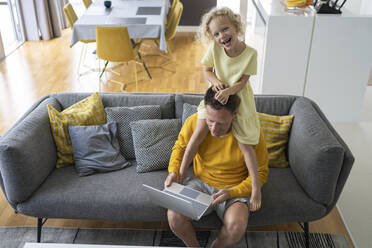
(204, 33)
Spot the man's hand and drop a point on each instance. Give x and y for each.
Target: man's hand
(222, 96)
(221, 196)
(219, 86)
(171, 178)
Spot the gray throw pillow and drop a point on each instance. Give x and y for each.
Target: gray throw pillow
(96, 149)
(153, 142)
(123, 116)
(188, 110)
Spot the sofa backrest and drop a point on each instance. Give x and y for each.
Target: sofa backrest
(269, 104)
(166, 101)
(274, 105)
(193, 99)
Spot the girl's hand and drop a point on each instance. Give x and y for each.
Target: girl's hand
(182, 176)
(222, 96)
(172, 177)
(219, 86)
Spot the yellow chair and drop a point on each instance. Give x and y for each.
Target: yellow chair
(70, 14)
(87, 3)
(170, 33)
(72, 18)
(115, 45)
(171, 12)
(169, 20)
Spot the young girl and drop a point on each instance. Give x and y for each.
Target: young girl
(229, 62)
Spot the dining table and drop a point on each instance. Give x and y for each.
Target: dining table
(143, 18)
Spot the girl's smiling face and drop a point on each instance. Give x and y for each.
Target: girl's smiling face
(224, 32)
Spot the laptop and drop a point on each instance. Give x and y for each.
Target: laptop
(181, 199)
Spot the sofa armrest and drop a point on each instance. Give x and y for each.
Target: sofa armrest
(27, 153)
(315, 155)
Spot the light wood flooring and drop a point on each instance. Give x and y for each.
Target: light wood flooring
(40, 68)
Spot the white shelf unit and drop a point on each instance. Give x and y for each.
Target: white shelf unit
(324, 57)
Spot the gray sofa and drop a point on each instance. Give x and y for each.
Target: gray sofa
(319, 160)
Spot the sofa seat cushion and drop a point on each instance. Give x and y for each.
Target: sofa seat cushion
(283, 200)
(112, 196)
(119, 196)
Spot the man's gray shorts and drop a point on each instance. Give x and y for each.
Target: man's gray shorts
(197, 184)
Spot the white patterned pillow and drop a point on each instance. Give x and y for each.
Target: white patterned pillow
(153, 142)
(188, 110)
(123, 116)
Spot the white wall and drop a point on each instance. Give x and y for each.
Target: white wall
(366, 7)
(234, 5)
(363, 7)
(2, 52)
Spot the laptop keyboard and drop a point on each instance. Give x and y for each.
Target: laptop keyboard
(190, 193)
(199, 207)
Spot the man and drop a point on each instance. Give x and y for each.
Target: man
(219, 170)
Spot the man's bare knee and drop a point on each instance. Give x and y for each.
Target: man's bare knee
(175, 219)
(236, 229)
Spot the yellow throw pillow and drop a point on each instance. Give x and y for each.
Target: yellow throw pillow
(89, 111)
(276, 130)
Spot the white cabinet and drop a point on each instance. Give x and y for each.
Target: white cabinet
(283, 54)
(339, 64)
(324, 57)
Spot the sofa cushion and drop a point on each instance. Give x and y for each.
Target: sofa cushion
(188, 110)
(153, 142)
(96, 149)
(284, 200)
(88, 111)
(193, 99)
(276, 130)
(28, 153)
(113, 196)
(315, 155)
(123, 116)
(164, 100)
(119, 196)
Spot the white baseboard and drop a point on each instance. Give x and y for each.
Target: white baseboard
(187, 29)
(346, 226)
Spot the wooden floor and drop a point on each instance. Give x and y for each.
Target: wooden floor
(40, 68)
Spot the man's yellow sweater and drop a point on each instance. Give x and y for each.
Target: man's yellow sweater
(219, 161)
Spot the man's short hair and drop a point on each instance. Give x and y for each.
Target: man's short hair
(231, 105)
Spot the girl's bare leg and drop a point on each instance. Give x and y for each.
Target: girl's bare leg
(251, 163)
(201, 131)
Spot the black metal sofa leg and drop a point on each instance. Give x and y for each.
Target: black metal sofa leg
(40, 223)
(305, 227)
(306, 230)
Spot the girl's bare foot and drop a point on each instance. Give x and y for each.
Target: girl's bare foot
(255, 202)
